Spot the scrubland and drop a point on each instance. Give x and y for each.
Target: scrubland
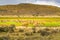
(29, 33)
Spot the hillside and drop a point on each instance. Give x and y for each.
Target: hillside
(30, 9)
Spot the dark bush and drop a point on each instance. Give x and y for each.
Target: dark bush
(28, 34)
(11, 28)
(47, 29)
(4, 29)
(34, 30)
(44, 33)
(21, 30)
(4, 38)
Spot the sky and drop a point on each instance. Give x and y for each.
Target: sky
(40, 2)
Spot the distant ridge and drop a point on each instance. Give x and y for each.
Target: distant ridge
(30, 9)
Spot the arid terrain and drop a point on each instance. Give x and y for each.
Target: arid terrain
(29, 33)
(29, 22)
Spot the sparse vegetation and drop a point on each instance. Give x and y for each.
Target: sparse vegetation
(44, 34)
(8, 25)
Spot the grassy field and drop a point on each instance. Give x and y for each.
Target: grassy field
(31, 21)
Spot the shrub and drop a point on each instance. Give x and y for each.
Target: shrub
(11, 28)
(44, 33)
(21, 30)
(28, 34)
(4, 38)
(34, 30)
(4, 29)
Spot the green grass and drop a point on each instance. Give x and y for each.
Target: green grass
(52, 24)
(43, 21)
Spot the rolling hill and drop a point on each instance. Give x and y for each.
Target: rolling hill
(30, 9)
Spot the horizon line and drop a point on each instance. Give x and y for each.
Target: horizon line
(30, 3)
